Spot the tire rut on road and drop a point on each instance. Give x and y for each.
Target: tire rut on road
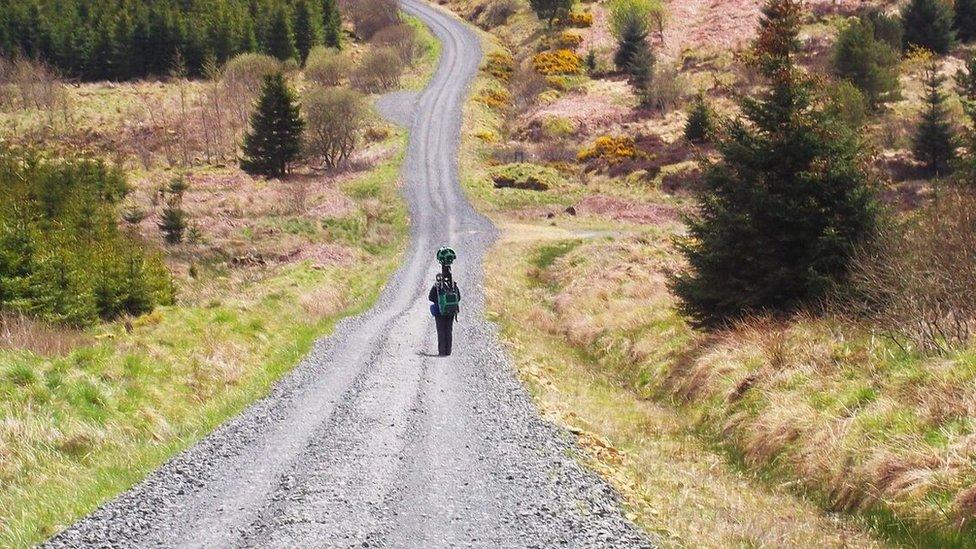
(370, 441)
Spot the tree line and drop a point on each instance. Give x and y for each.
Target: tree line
(126, 39)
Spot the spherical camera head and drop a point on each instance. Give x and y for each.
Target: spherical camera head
(446, 256)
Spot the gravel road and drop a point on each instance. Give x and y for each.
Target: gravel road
(372, 441)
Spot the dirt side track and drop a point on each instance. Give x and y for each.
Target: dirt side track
(370, 441)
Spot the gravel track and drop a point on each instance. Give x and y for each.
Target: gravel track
(371, 441)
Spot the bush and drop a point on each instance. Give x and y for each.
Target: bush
(848, 104)
(378, 70)
(369, 16)
(887, 28)
(917, 282)
(496, 98)
(928, 24)
(334, 119)
(582, 19)
(500, 65)
(244, 74)
(569, 39)
(610, 148)
(558, 62)
(524, 176)
(664, 92)
(401, 38)
(965, 19)
(62, 255)
(327, 66)
(498, 12)
(868, 63)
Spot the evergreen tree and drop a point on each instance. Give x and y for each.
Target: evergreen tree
(934, 140)
(631, 45)
(965, 20)
(275, 138)
(550, 10)
(928, 24)
(331, 24)
(279, 40)
(306, 34)
(783, 209)
(868, 63)
(701, 123)
(965, 167)
(173, 221)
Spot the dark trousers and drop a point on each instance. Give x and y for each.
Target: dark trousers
(445, 334)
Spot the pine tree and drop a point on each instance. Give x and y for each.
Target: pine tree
(279, 40)
(934, 140)
(631, 45)
(965, 20)
(965, 167)
(641, 70)
(868, 63)
(173, 221)
(700, 124)
(306, 34)
(275, 138)
(331, 24)
(928, 24)
(782, 211)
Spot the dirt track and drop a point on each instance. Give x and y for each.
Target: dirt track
(372, 441)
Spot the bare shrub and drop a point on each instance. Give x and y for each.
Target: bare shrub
(327, 66)
(334, 118)
(497, 13)
(369, 16)
(20, 332)
(242, 79)
(29, 84)
(917, 282)
(525, 87)
(378, 70)
(401, 38)
(665, 92)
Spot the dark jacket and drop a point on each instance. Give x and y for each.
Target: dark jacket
(432, 296)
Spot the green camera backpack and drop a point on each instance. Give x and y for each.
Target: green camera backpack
(448, 298)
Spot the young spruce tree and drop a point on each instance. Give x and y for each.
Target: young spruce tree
(280, 41)
(306, 33)
(783, 209)
(868, 63)
(331, 24)
(701, 123)
(928, 24)
(275, 139)
(934, 141)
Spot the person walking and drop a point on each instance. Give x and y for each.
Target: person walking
(445, 297)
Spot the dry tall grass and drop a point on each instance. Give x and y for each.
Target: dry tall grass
(22, 333)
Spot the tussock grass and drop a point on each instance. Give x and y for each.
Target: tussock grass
(844, 419)
(675, 484)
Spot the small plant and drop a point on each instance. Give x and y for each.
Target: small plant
(173, 221)
(569, 39)
(498, 99)
(178, 186)
(631, 22)
(591, 62)
(133, 214)
(583, 19)
(550, 63)
(701, 123)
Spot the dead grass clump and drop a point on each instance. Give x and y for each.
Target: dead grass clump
(497, 13)
(917, 283)
(20, 332)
